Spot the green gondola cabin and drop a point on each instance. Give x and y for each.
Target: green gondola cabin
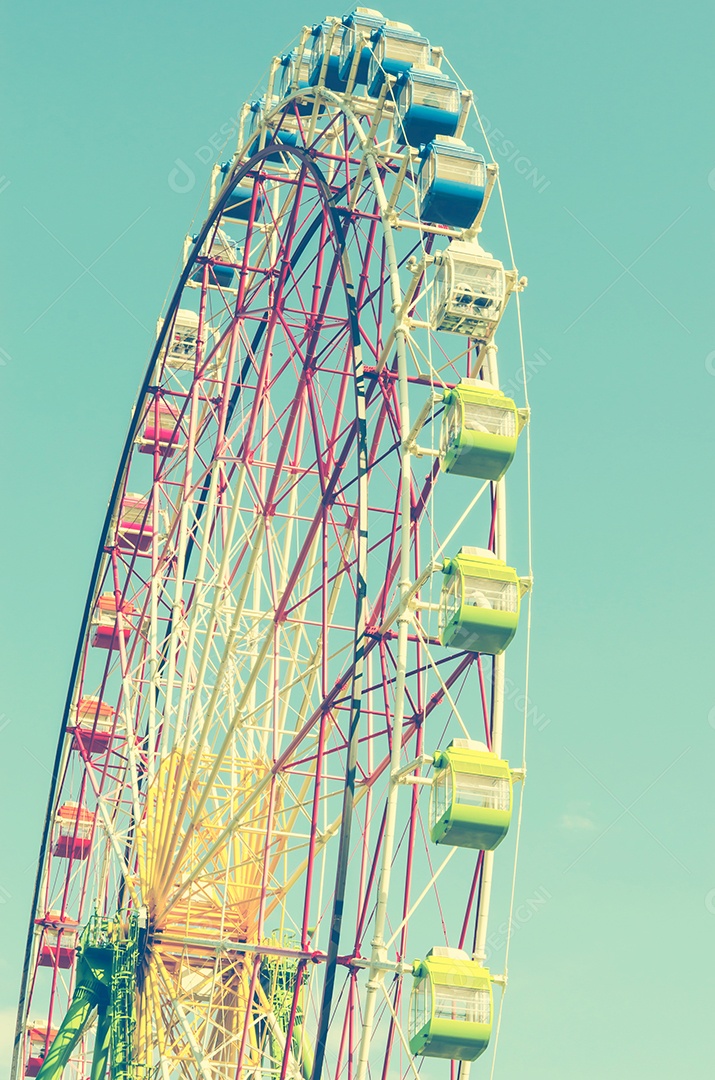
(480, 430)
(480, 602)
(450, 1007)
(471, 799)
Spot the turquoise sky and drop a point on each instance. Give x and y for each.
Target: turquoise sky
(596, 114)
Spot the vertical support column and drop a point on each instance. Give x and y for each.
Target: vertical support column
(379, 951)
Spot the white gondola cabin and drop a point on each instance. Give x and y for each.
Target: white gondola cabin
(428, 105)
(161, 429)
(480, 430)
(73, 831)
(134, 531)
(470, 798)
(360, 25)
(106, 622)
(396, 48)
(452, 183)
(92, 723)
(325, 53)
(480, 602)
(180, 350)
(470, 291)
(450, 1006)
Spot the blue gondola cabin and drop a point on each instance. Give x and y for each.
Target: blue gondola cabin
(325, 64)
(281, 129)
(428, 105)
(360, 25)
(294, 75)
(238, 204)
(396, 48)
(452, 183)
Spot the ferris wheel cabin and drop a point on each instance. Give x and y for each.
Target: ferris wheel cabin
(396, 48)
(73, 835)
(295, 75)
(39, 1038)
(92, 725)
(220, 255)
(59, 941)
(238, 206)
(283, 130)
(360, 25)
(181, 348)
(428, 105)
(452, 183)
(480, 601)
(480, 430)
(450, 1006)
(239, 202)
(134, 531)
(470, 798)
(161, 430)
(107, 631)
(470, 291)
(325, 53)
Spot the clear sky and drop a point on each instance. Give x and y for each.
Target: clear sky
(597, 117)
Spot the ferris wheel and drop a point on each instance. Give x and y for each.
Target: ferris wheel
(280, 783)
